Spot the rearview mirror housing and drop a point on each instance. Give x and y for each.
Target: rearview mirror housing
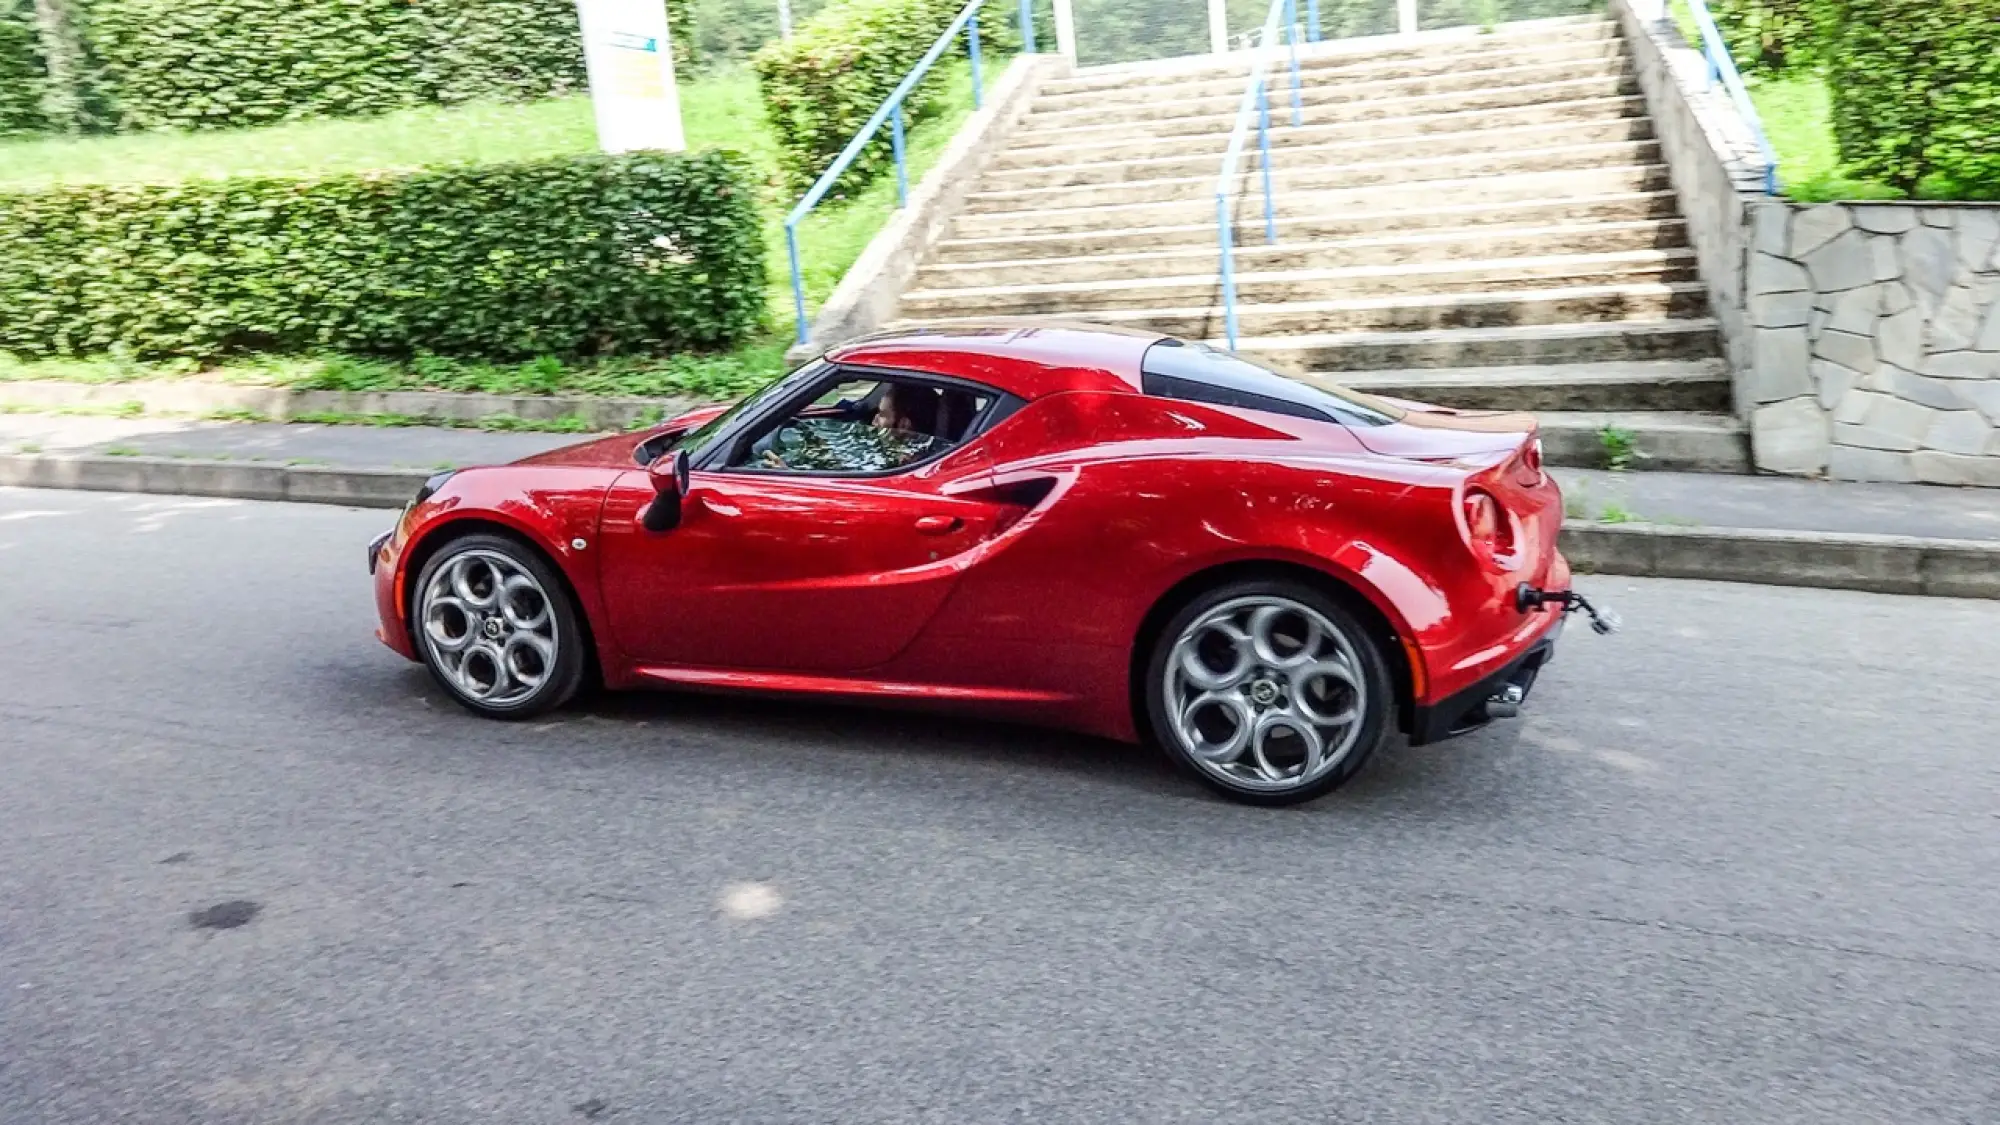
(670, 487)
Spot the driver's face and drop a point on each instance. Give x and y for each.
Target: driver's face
(886, 417)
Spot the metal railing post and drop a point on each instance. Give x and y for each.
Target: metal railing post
(1312, 21)
(1264, 160)
(1065, 29)
(1406, 16)
(1228, 269)
(972, 39)
(1292, 38)
(902, 168)
(1218, 27)
(1028, 27)
(798, 278)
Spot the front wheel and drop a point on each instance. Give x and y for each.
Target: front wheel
(497, 628)
(1268, 691)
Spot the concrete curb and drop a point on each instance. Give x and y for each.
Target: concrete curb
(238, 480)
(281, 404)
(1890, 564)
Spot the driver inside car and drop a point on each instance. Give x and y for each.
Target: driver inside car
(902, 430)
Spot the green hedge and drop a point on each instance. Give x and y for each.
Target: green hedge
(1915, 87)
(20, 69)
(820, 86)
(1769, 36)
(588, 255)
(225, 63)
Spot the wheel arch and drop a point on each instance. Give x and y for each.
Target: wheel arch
(440, 534)
(1397, 643)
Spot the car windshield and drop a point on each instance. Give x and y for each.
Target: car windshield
(693, 440)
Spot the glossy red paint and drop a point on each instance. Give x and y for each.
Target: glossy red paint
(1018, 575)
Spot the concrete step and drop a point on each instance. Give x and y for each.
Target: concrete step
(1423, 256)
(1489, 143)
(1361, 230)
(1323, 69)
(1346, 53)
(1691, 338)
(1032, 134)
(1301, 176)
(1687, 385)
(1257, 287)
(1384, 130)
(1665, 441)
(1411, 195)
(1167, 102)
(1607, 304)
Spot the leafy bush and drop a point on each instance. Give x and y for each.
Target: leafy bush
(20, 69)
(1769, 36)
(586, 255)
(248, 62)
(821, 85)
(1916, 90)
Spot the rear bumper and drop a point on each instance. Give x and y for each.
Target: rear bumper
(1465, 711)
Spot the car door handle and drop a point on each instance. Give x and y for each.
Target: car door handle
(939, 525)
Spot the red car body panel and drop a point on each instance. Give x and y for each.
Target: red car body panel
(1016, 575)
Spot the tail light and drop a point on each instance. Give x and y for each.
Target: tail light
(1488, 530)
(1531, 460)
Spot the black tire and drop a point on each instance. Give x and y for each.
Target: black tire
(1375, 704)
(559, 677)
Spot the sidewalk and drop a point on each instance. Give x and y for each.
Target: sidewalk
(1890, 537)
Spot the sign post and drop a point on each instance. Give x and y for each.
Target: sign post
(629, 56)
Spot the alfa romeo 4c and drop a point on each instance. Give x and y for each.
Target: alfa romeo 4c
(1109, 531)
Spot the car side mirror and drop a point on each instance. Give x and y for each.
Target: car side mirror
(670, 487)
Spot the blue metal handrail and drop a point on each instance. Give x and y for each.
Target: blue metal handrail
(1720, 65)
(1255, 96)
(892, 112)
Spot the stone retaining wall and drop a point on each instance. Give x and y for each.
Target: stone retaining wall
(1877, 341)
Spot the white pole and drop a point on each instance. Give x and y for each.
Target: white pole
(629, 54)
(1218, 26)
(785, 18)
(1065, 30)
(1406, 16)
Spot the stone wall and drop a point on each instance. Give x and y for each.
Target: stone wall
(1711, 154)
(1877, 341)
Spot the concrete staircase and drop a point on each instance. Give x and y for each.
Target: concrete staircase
(1480, 221)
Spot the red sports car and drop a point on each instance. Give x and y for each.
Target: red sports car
(1109, 531)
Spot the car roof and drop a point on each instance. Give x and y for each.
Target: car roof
(1024, 357)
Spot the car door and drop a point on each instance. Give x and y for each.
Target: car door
(821, 572)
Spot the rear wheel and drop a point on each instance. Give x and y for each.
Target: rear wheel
(1268, 691)
(497, 628)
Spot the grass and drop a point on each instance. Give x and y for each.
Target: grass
(1797, 116)
(719, 107)
(1621, 448)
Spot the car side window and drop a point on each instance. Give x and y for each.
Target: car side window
(864, 426)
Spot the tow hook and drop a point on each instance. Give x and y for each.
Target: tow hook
(1527, 599)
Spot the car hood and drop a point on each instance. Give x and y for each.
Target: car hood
(1437, 433)
(613, 451)
(618, 450)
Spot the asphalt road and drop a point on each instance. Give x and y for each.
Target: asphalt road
(1740, 864)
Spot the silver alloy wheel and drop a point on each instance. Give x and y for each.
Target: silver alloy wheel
(1265, 693)
(488, 626)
